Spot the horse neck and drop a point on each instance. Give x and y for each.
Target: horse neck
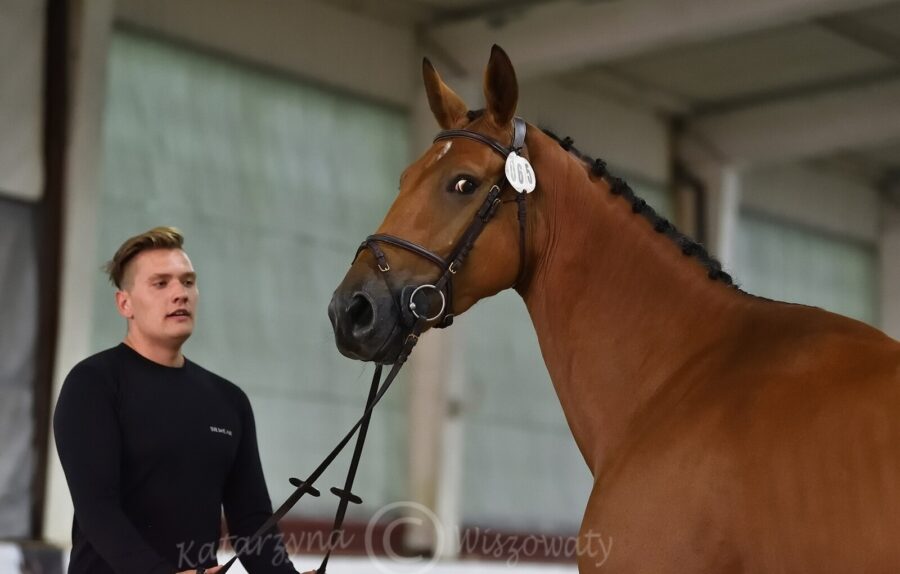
(617, 307)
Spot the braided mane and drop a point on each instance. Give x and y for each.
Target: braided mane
(618, 186)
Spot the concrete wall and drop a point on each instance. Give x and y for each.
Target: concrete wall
(21, 98)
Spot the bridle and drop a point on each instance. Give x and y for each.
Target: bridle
(444, 287)
(450, 266)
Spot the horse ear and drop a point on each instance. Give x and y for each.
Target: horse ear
(501, 90)
(447, 107)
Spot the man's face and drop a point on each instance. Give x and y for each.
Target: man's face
(159, 296)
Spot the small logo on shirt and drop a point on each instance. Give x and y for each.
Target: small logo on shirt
(220, 430)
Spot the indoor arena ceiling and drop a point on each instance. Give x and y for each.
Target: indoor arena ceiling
(693, 59)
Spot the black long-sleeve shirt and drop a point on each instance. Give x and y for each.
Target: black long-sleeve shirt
(152, 454)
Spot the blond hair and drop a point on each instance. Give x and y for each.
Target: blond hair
(156, 238)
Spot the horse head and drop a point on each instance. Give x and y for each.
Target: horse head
(455, 232)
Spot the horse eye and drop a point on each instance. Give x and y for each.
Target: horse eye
(464, 186)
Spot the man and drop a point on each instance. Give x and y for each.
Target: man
(153, 445)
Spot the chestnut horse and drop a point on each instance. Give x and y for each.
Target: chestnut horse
(724, 432)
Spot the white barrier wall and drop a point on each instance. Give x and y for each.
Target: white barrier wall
(15, 558)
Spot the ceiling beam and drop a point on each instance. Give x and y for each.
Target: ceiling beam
(304, 38)
(634, 142)
(570, 34)
(803, 127)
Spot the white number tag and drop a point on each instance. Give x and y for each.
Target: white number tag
(519, 173)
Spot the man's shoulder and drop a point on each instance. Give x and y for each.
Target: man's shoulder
(95, 371)
(218, 381)
(96, 363)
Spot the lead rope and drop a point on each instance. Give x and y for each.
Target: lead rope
(346, 495)
(306, 487)
(378, 389)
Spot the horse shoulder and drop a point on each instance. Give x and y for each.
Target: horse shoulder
(732, 466)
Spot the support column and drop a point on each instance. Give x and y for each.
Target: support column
(720, 184)
(890, 263)
(92, 22)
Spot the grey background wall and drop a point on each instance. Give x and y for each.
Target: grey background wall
(21, 188)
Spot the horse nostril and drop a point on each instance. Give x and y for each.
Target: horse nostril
(332, 313)
(361, 313)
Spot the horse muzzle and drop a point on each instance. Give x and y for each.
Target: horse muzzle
(370, 322)
(364, 320)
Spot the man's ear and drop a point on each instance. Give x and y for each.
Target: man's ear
(447, 107)
(123, 304)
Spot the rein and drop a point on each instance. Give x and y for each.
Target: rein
(444, 287)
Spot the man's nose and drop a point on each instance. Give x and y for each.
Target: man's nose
(181, 294)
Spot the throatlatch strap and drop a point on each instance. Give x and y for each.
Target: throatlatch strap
(518, 143)
(521, 215)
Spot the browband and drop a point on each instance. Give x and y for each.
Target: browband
(518, 138)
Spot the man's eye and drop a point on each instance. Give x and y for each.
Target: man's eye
(464, 186)
(189, 282)
(159, 284)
